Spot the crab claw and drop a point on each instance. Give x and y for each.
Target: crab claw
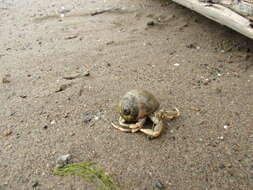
(157, 130)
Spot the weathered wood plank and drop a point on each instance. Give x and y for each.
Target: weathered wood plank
(220, 14)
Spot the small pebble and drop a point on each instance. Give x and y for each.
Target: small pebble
(6, 79)
(195, 108)
(150, 23)
(12, 113)
(17, 135)
(86, 73)
(63, 160)
(8, 133)
(222, 166)
(35, 184)
(62, 88)
(45, 126)
(66, 115)
(159, 185)
(109, 43)
(70, 37)
(176, 64)
(191, 46)
(88, 117)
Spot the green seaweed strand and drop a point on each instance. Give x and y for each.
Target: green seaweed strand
(88, 171)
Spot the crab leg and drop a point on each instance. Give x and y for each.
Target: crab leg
(158, 127)
(139, 124)
(170, 115)
(123, 124)
(122, 128)
(129, 127)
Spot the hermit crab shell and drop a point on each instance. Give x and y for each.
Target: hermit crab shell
(137, 104)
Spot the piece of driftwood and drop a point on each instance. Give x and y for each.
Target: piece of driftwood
(221, 14)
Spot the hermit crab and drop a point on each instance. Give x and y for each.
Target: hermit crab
(135, 107)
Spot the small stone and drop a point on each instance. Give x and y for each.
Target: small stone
(191, 46)
(6, 79)
(12, 113)
(53, 122)
(45, 127)
(225, 126)
(63, 87)
(35, 184)
(206, 82)
(176, 64)
(70, 37)
(222, 166)
(159, 185)
(88, 117)
(195, 108)
(63, 160)
(86, 73)
(17, 135)
(8, 133)
(66, 115)
(72, 134)
(147, 44)
(150, 23)
(23, 96)
(109, 43)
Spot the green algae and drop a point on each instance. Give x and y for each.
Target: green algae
(89, 171)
